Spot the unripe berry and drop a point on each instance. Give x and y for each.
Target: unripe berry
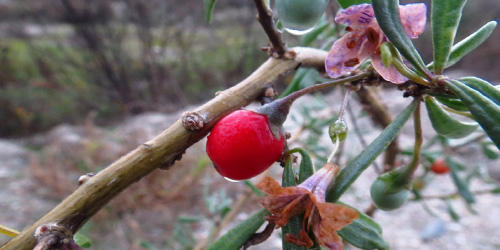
(242, 145)
(440, 167)
(338, 128)
(386, 200)
(389, 191)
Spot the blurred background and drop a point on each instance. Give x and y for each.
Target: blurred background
(83, 82)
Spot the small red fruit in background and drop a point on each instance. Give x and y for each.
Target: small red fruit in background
(440, 167)
(242, 145)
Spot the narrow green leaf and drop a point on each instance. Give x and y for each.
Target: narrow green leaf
(452, 103)
(462, 187)
(346, 3)
(190, 219)
(387, 14)
(363, 232)
(356, 166)
(444, 124)
(359, 234)
(208, 7)
(288, 178)
(306, 164)
(451, 211)
(445, 17)
(484, 87)
(491, 153)
(311, 36)
(496, 190)
(238, 235)
(254, 188)
(82, 240)
(294, 225)
(484, 110)
(471, 42)
(294, 85)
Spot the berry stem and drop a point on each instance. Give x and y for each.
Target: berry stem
(277, 110)
(417, 124)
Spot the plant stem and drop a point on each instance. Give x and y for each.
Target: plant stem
(266, 20)
(418, 143)
(278, 110)
(451, 195)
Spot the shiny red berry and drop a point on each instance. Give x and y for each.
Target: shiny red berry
(242, 145)
(440, 167)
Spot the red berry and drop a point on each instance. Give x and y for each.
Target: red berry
(440, 167)
(242, 145)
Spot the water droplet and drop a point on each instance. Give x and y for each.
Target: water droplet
(297, 32)
(300, 16)
(231, 180)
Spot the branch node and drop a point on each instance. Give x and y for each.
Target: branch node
(53, 236)
(192, 121)
(84, 178)
(166, 165)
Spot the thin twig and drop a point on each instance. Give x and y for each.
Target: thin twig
(452, 195)
(360, 136)
(417, 124)
(266, 20)
(380, 115)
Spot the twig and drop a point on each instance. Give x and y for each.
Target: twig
(417, 124)
(361, 138)
(452, 195)
(162, 150)
(380, 115)
(266, 20)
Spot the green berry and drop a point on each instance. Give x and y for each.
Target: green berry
(384, 199)
(338, 128)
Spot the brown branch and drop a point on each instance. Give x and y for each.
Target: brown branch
(453, 195)
(162, 150)
(266, 20)
(380, 115)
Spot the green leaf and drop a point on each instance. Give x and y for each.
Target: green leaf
(294, 225)
(238, 235)
(82, 240)
(484, 110)
(387, 14)
(306, 164)
(496, 190)
(254, 188)
(462, 187)
(208, 7)
(190, 219)
(444, 124)
(471, 42)
(356, 166)
(445, 16)
(484, 87)
(346, 3)
(451, 211)
(452, 103)
(311, 36)
(364, 233)
(491, 153)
